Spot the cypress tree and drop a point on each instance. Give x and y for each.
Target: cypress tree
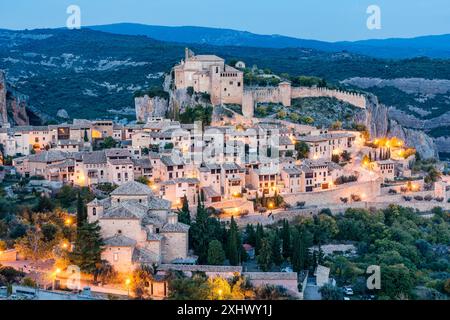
(81, 212)
(265, 255)
(88, 247)
(277, 258)
(184, 214)
(232, 243)
(258, 238)
(251, 234)
(216, 255)
(286, 237)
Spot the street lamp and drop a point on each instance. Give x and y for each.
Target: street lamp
(127, 283)
(68, 221)
(55, 275)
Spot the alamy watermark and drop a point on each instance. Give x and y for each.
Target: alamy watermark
(374, 20)
(74, 19)
(374, 280)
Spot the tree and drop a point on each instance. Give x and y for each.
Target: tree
(286, 238)
(264, 258)
(233, 243)
(259, 237)
(184, 288)
(216, 255)
(300, 247)
(88, 248)
(302, 150)
(81, 212)
(184, 214)
(86, 138)
(277, 258)
(108, 143)
(44, 204)
(141, 282)
(105, 272)
(396, 281)
(203, 231)
(34, 246)
(330, 292)
(250, 234)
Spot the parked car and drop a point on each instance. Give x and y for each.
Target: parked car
(348, 291)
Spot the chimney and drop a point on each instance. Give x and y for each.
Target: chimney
(173, 218)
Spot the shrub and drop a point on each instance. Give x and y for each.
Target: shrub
(392, 191)
(418, 198)
(439, 199)
(406, 198)
(301, 204)
(428, 198)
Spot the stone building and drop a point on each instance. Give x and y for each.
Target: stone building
(138, 228)
(210, 74)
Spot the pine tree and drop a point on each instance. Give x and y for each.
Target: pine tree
(286, 237)
(86, 138)
(216, 255)
(265, 255)
(88, 248)
(233, 247)
(184, 214)
(277, 258)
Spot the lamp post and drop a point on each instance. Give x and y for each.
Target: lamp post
(57, 271)
(127, 283)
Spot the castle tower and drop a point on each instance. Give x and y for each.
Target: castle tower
(285, 93)
(248, 105)
(216, 93)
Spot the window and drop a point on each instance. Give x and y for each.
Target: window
(116, 257)
(94, 211)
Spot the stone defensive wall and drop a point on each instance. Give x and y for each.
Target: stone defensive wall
(355, 99)
(284, 94)
(367, 190)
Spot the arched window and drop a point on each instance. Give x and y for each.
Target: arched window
(94, 211)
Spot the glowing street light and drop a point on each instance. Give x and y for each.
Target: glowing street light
(68, 221)
(127, 283)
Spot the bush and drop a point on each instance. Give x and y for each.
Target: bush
(406, 198)
(439, 199)
(418, 198)
(392, 191)
(301, 204)
(345, 179)
(428, 198)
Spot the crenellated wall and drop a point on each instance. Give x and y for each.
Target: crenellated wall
(284, 94)
(355, 99)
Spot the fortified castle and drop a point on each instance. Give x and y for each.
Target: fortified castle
(209, 74)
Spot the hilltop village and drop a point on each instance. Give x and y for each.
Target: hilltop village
(151, 179)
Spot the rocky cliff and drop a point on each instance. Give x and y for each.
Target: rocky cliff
(3, 111)
(377, 119)
(150, 107)
(13, 104)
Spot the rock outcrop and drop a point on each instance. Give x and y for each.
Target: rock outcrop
(378, 120)
(423, 143)
(3, 111)
(147, 107)
(13, 105)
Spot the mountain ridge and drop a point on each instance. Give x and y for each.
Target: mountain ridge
(433, 46)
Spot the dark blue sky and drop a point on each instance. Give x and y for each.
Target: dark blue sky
(314, 19)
